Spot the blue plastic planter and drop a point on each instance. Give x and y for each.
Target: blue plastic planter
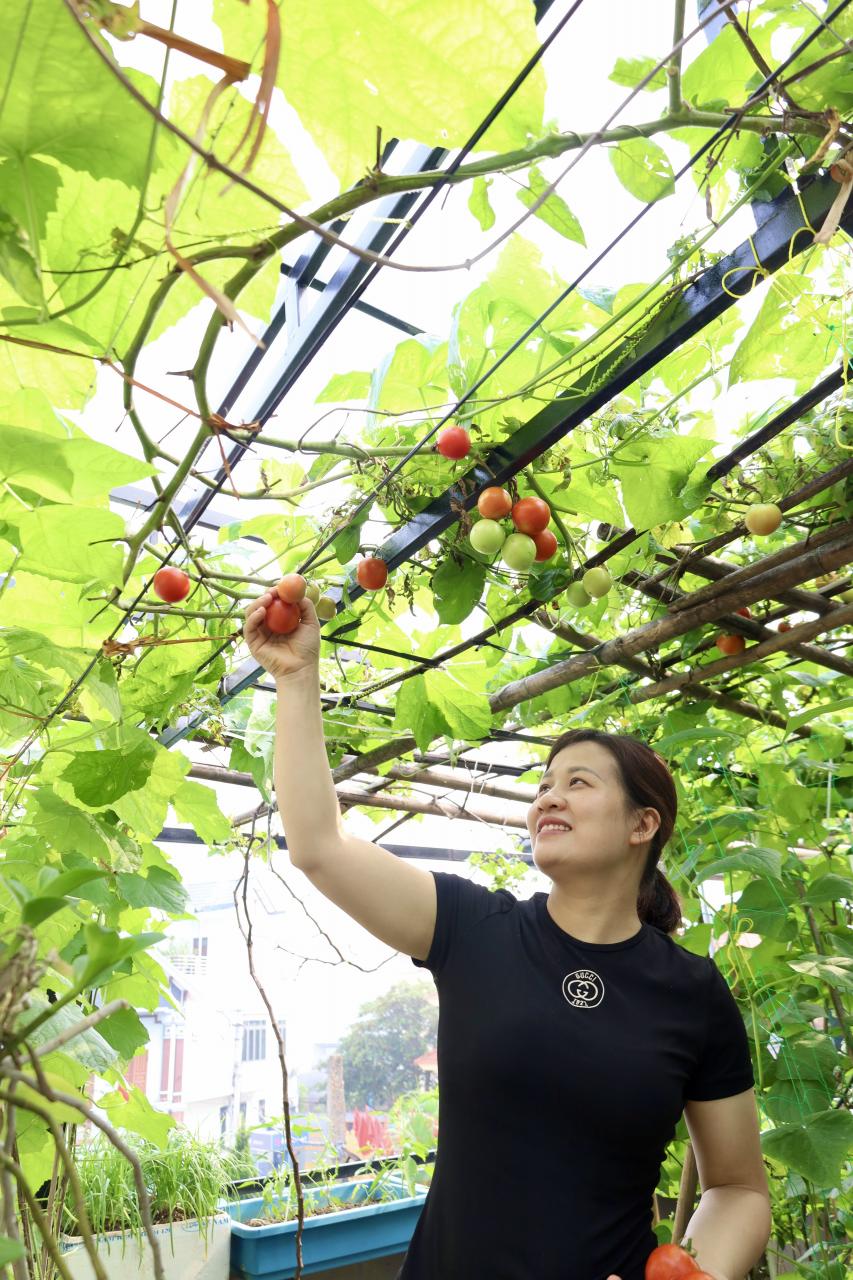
(330, 1240)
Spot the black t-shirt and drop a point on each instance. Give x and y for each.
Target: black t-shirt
(563, 1069)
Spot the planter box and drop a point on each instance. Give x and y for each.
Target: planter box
(330, 1240)
(187, 1254)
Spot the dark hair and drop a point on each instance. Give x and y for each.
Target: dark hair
(646, 781)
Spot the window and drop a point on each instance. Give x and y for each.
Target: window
(262, 1110)
(199, 946)
(242, 1114)
(254, 1040)
(172, 1064)
(223, 1121)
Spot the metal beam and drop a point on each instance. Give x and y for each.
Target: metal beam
(186, 835)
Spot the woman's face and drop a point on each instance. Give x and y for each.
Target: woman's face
(578, 804)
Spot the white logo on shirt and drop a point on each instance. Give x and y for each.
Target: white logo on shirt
(583, 989)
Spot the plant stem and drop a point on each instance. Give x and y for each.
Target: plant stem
(673, 69)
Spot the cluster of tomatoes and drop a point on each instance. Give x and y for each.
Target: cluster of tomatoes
(530, 541)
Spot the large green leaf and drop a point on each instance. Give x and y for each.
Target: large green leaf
(99, 778)
(70, 470)
(643, 168)
(457, 588)
(817, 1147)
(656, 475)
(427, 72)
(789, 338)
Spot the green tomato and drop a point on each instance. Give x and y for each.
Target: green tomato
(597, 581)
(312, 591)
(326, 608)
(576, 595)
(519, 552)
(487, 537)
(847, 596)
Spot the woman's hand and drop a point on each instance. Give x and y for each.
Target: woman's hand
(283, 655)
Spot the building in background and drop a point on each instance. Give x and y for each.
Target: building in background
(212, 1057)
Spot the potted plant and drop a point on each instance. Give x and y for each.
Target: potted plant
(185, 1181)
(346, 1220)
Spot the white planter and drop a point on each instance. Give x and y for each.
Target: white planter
(187, 1254)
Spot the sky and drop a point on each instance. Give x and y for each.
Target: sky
(579, 97)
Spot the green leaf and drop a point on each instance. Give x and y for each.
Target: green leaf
(781, 343)
(478, 203)
(657, 490)
(346, 544)
(156, 889)
(630, 71)
(457, 588)
(767, 862)
(17, 264)
(794, 722)
(197, 805)
(10, 1250)
(72, 544)
(817, 1147)
(554, 211)
(135, 1112)
(466, 714)
(99, 778)
(350, 71)
(61, 101)
(346, 386)
(643, 168)
(125, 1032)
(836, 971)
(105, 951)
(64, 470)
(414, 713)
(718, 75)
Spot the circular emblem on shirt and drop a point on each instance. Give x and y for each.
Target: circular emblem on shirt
(583, 989)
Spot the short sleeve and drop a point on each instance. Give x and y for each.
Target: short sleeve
(460, 906)
(724, 1067)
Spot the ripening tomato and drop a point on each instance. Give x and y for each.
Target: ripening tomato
(494, 503)
(744, 611)
(530, 515)
(784, 625)
(453, 442)
(763, 518)
(282, 617)
(171, 584)
(292, 588)
(546, 544)
(372, 573)
(671, 1262)
(731, 643)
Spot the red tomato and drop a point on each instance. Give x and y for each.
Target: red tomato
(282, 617)
(784, 625)
(731, 643)
(546, 544)
(292, 588)
(171, 584)
(372, 573)
(453, 442)
(530, 515)
(494, 503)
(671, 1262)
(744, 611)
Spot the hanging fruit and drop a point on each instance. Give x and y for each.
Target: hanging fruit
(519, 552)
(281, 616)
(597, 581)
(730, 643)
(546, 544)
(763, 518)
(530, 515)
(494, 503)
(326, 608)
(453, 442)
(372, 573)
(171, 584)
(577, 595)
(487, 537)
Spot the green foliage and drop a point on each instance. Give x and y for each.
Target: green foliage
(380, 1047)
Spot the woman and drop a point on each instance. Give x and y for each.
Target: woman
(572, 1028)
